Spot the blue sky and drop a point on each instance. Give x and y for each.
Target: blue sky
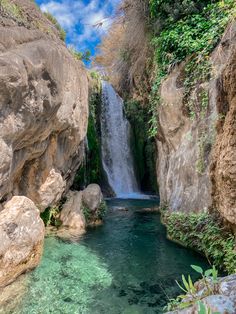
(78, 18)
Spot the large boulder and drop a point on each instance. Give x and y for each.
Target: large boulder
(72, 216)
(21, 237)
(92, 197)
(81, 209)
(43, 104)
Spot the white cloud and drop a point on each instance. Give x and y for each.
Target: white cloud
(79, 18)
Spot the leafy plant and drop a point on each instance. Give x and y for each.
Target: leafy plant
(188, 285)
(206, 234)
(54, 21)
(187, 29)
(50, 216)
(78, 55)
(191, 293)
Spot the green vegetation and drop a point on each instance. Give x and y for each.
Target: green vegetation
(143, 147)
(78, 55)
(209, 287)
(204, 233)
(12, 9)
(205, 142)
(91, 170)
(186, 29)
(54, 21)
(202, 309)
(50, 216)
(92, 217)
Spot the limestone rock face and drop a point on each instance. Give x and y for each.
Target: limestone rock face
(21, 237)
(72, 216)
(189, 168)
(92, 196)
(43, 105)
(223, 168)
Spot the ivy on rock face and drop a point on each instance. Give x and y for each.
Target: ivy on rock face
(186, 29)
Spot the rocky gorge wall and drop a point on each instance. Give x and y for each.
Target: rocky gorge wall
(196, 157)
(44, 109)
(43, 123)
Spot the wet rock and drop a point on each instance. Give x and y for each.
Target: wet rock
(21, 237)
(122, 293)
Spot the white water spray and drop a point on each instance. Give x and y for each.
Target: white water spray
(116, 153)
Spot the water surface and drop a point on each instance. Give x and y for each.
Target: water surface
(126, 266)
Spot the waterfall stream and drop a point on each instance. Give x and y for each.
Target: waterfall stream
(116, 153)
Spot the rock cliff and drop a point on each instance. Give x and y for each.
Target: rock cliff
(196, 157)
(44, 110)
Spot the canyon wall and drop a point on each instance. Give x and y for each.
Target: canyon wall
(196, 157)
(44, 107)
(43, 123)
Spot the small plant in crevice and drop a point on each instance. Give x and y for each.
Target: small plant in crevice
(78, 55)
(209, 285)
(54, 21)
(102, 210)
(12, 9)
(50, 215)
(197, 72)
(93, 216)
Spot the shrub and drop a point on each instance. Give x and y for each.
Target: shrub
(54, 21)
(204, 233)
(78, 55)
(194, 31)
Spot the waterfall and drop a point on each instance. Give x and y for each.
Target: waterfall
(116, 153)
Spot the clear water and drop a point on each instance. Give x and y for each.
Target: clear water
(126, 266)
(116, 153)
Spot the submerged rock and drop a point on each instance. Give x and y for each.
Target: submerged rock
(21, 237)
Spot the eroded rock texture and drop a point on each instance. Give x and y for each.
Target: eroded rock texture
(43, 108)
(185, 146)
(21, 238)
(82, 209)
(223, 170)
